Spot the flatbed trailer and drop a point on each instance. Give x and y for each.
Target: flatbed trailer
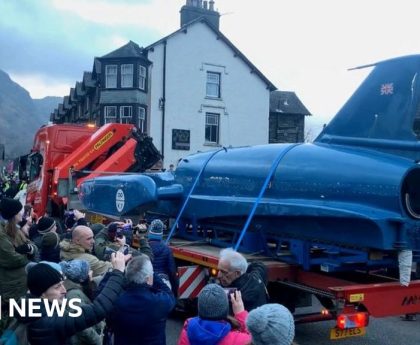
(350, 298)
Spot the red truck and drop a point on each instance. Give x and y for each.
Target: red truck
(64, 155)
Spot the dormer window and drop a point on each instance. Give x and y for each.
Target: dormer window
(111, 76)
(127, 75)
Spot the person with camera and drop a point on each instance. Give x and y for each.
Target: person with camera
(73, 218)
(251, 280)
(47, 283)
(214, 325)
(140, 313)
(80, 247)
(15, 252)
(118, 236)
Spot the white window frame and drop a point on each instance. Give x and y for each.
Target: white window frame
(124, 118)
(142, 77)
(142, 119)
(127, 75)
(213, 83)
(210, 123)
(110, 118)
(111, 78)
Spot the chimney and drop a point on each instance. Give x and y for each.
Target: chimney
(194, 9)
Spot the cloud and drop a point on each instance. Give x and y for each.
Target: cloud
(140, 14)
(304, 46)
(41, 85)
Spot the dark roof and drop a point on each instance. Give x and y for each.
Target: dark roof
(286, 102)
(79, 89)
(236, 51)
(60, 110)
(96, 67)
(87, 79)
(72, 95)
(131, 49)
(66, 104)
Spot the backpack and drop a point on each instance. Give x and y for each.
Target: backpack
(15, 334)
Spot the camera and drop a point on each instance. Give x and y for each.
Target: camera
(108, 252)
(69, 218)
(230, 291)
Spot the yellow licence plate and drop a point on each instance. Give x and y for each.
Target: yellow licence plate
(337, 333)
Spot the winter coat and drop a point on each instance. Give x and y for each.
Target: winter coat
(12, 265)
(51, 254)
(70, 251)
(102, 241)
(56, 330)
(164, 263)
(91, 335)
(197, 331)
(140, 313)
(253, 286)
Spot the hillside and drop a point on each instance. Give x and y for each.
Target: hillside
(21, 116)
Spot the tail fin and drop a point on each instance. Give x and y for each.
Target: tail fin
(383, 113)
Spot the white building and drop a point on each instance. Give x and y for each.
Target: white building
(192, 90)
(204, 92)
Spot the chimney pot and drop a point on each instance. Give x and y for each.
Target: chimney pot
(211, 2)
(205, 5)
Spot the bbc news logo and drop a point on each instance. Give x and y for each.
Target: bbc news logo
(31, 307)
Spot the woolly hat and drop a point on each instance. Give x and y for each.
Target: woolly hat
(96, 228)
(9, 208)
(54, 265)
(45, 224)
(50, 239)
(156, 229)
(76, 270)
(213, 303)
(271, 324)
(41, 277)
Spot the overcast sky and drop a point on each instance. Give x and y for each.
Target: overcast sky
(304, 46)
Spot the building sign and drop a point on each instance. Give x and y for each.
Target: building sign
(180, 139)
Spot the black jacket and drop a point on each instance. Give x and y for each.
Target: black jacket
(252, 285)
(56, 330)
(164, 263)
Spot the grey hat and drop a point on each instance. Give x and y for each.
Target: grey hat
(213, 303)
(271, 324)
(50, 239)
(156, 229)
(76, 270)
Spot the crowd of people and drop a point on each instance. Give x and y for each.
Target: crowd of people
(127, 292)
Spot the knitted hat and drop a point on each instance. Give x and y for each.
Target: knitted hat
(271, 324)
(156, 229)
(213, 303)
(54, 265)
(97, 227)
(76, 270)
(50, 239)
(9, 208)
(41, 277)
(45, 224)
